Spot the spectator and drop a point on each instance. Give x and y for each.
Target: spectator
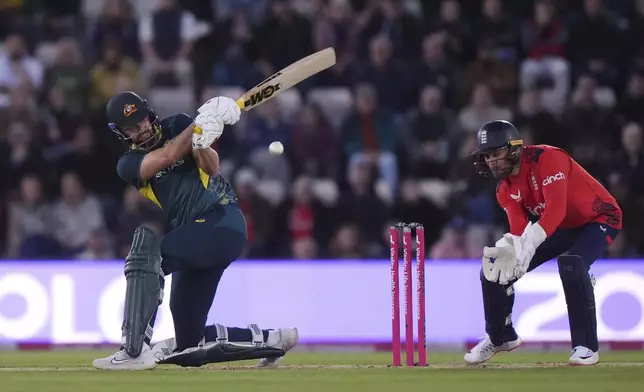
(98, 247)
(488, 69)
(258, 213)
(436, 68)
(236, 67)
(544, 38)
(283, 38)
(94, 167)
(264, 127)
(65, 84)
(481, 109)
(385, 73)
(334, 29)
(625, 183)
(167, 37)
(360, 205)
(18, 69)
(116, 22)
(23, 108)
(315, 145)
(20, 156)
(588, 127)
(368, 135)
(403, 30)
(497, 27)
(112, 74)
(457, 32)
(531, 114)
(304, 249)
(427, 140)
(347, 243)
(31, 222)
(452, 243)
(628, 163)
(76, 215)
(594, 34)
(630, 106)
(256, 9)
(301, 216)
(412, 207)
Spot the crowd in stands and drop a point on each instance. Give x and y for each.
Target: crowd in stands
(384, 136)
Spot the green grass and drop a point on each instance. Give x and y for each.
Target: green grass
(70, 371)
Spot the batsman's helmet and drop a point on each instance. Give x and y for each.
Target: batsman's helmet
(496, 135)
(125, 110)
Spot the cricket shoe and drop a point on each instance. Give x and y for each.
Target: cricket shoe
(583, 356)
(485, 350)
(284, 338)
(120, 360)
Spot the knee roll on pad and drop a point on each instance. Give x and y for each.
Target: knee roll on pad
(144, 289)
(580, 299)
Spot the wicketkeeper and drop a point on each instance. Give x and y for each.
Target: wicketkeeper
(555, 209)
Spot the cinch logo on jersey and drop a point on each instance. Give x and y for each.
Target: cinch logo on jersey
(538, 209)
(550, 179)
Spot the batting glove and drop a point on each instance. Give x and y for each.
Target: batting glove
(209, 128)
(225, 107)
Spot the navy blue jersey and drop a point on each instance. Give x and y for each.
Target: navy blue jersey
(183, 191)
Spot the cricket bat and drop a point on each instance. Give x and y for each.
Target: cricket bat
(287, 78)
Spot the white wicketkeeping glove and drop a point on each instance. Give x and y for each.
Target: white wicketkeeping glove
(499, 261)
(225, 107)
(211, 126)
(525, 248)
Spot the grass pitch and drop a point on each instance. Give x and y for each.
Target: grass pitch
(71, 371)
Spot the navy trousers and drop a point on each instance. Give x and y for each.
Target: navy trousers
(589, 242)
(197, 254)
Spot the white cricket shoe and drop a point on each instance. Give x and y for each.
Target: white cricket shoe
(120, 360)
(485, 350)
(583, 356)
(284, 338)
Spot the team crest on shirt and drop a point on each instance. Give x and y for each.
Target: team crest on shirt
(129, 109)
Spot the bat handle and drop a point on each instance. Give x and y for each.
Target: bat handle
(240, 103)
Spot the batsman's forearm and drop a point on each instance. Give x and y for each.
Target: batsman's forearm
(178, 147)
(208, 160)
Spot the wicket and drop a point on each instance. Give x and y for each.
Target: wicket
(394, 251)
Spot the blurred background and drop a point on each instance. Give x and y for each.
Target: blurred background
(383, 136)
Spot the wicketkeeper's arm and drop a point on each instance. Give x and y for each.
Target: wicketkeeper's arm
(516, 216)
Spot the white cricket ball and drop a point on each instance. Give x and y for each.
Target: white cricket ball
(276, 148)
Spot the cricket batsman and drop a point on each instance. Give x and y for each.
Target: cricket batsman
(171, 162)
(555, 209)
